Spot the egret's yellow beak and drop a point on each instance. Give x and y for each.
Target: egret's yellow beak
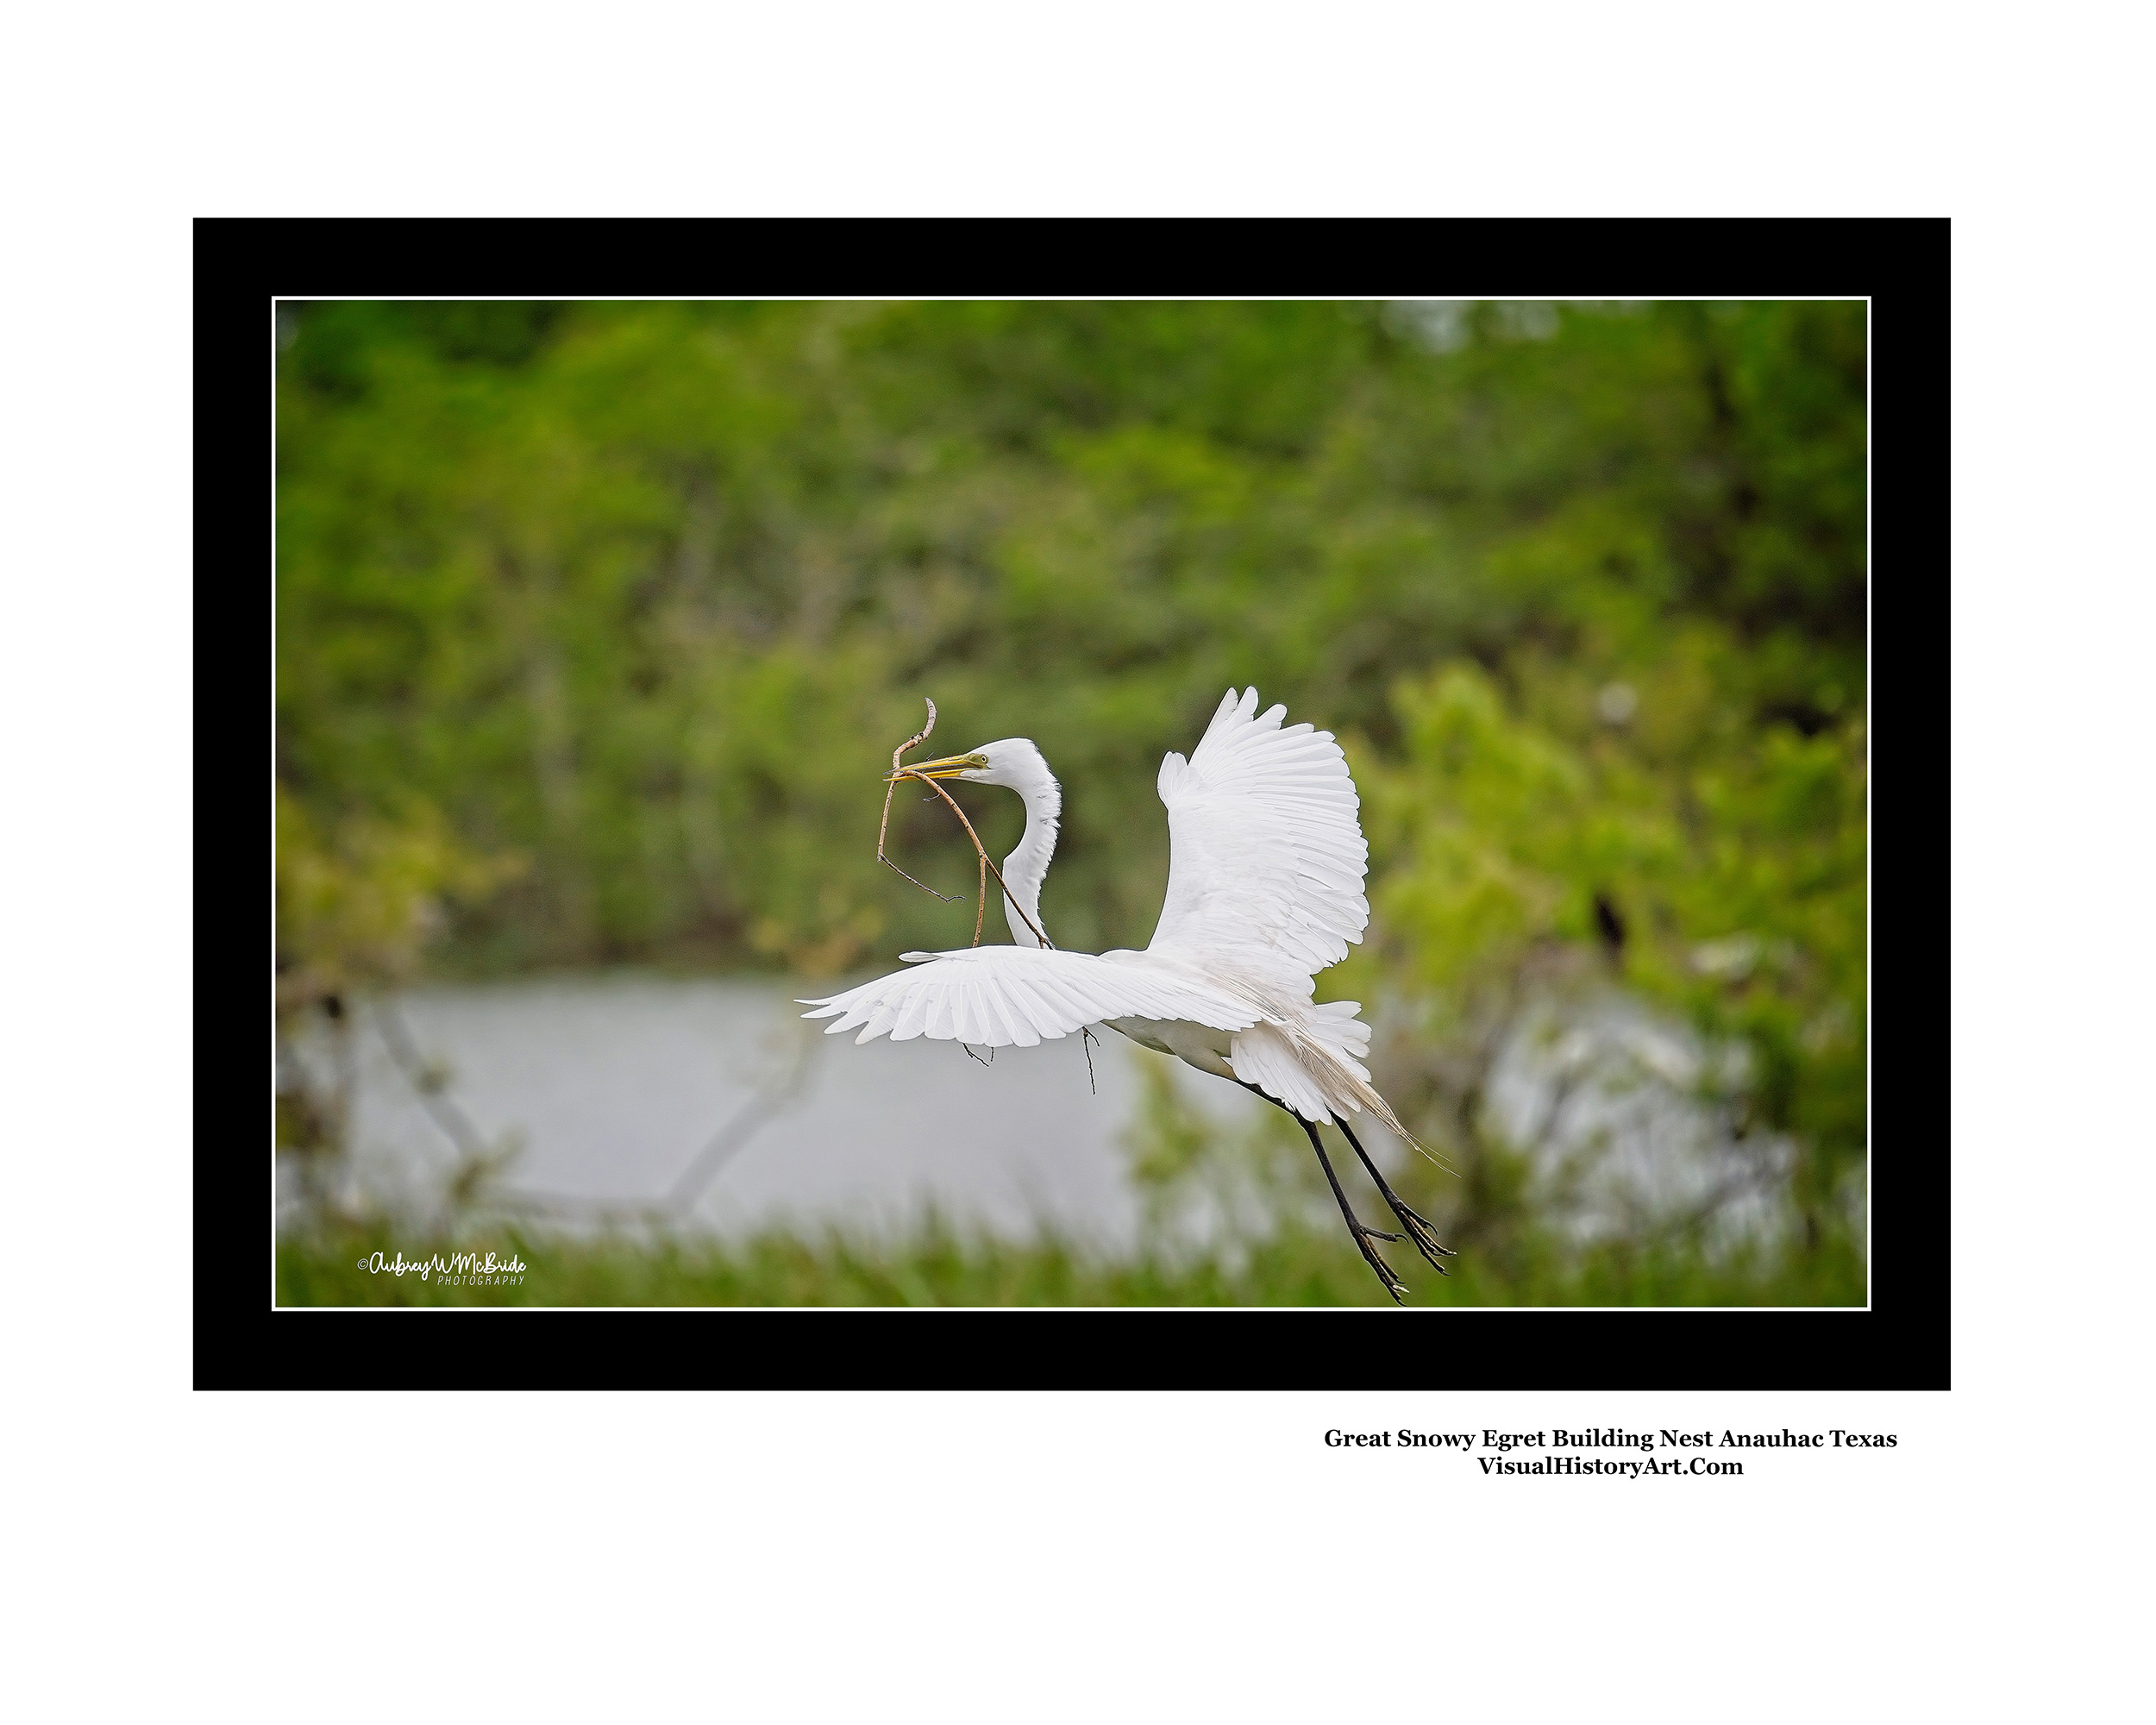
(949, 767)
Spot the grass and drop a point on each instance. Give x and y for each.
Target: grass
(939, 1267)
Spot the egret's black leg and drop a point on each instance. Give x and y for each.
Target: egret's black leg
(1362, 1236)
(1418, 1229)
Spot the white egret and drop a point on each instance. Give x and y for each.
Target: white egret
(1266, 861)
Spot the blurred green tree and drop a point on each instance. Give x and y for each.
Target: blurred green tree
(356, 907)
(638, 590)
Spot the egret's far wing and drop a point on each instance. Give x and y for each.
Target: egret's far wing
(1266, 858)
(996, 996)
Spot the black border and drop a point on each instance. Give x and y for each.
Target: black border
(1901, 1343)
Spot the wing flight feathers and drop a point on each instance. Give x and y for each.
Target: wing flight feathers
(1001, 996)
(1266, 858)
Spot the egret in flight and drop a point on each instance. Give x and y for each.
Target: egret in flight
(1266, 861)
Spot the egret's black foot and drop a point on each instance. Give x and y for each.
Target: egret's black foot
(1424, 1236)
(1364, 1236)
(1419, 1230)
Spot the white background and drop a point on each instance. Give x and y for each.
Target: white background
(962, 1557)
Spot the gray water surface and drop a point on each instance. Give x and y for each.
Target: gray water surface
(711, 1104)
(616, 1090)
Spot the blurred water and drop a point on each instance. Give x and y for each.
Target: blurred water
(1609, 1100)
(713, 1102)
(613, 1087)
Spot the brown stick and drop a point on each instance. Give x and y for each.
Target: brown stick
(915, 741)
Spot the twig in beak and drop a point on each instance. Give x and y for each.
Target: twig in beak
(898, 772)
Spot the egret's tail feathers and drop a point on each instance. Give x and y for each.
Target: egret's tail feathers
(1343, 1035)
(1315, 1066)
(1264, 1056)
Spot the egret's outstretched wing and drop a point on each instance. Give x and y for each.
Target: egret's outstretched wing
(1266, 858)
(996, 996)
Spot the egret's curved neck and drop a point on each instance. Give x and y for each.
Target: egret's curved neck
(1026, 868)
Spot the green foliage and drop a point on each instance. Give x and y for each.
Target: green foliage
(1732, 878)
(355, 907)
(646, 592)
(1295, 1266)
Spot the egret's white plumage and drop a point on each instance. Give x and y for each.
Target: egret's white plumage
(1264, 889)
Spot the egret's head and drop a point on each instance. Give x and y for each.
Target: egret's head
(1015, 762)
